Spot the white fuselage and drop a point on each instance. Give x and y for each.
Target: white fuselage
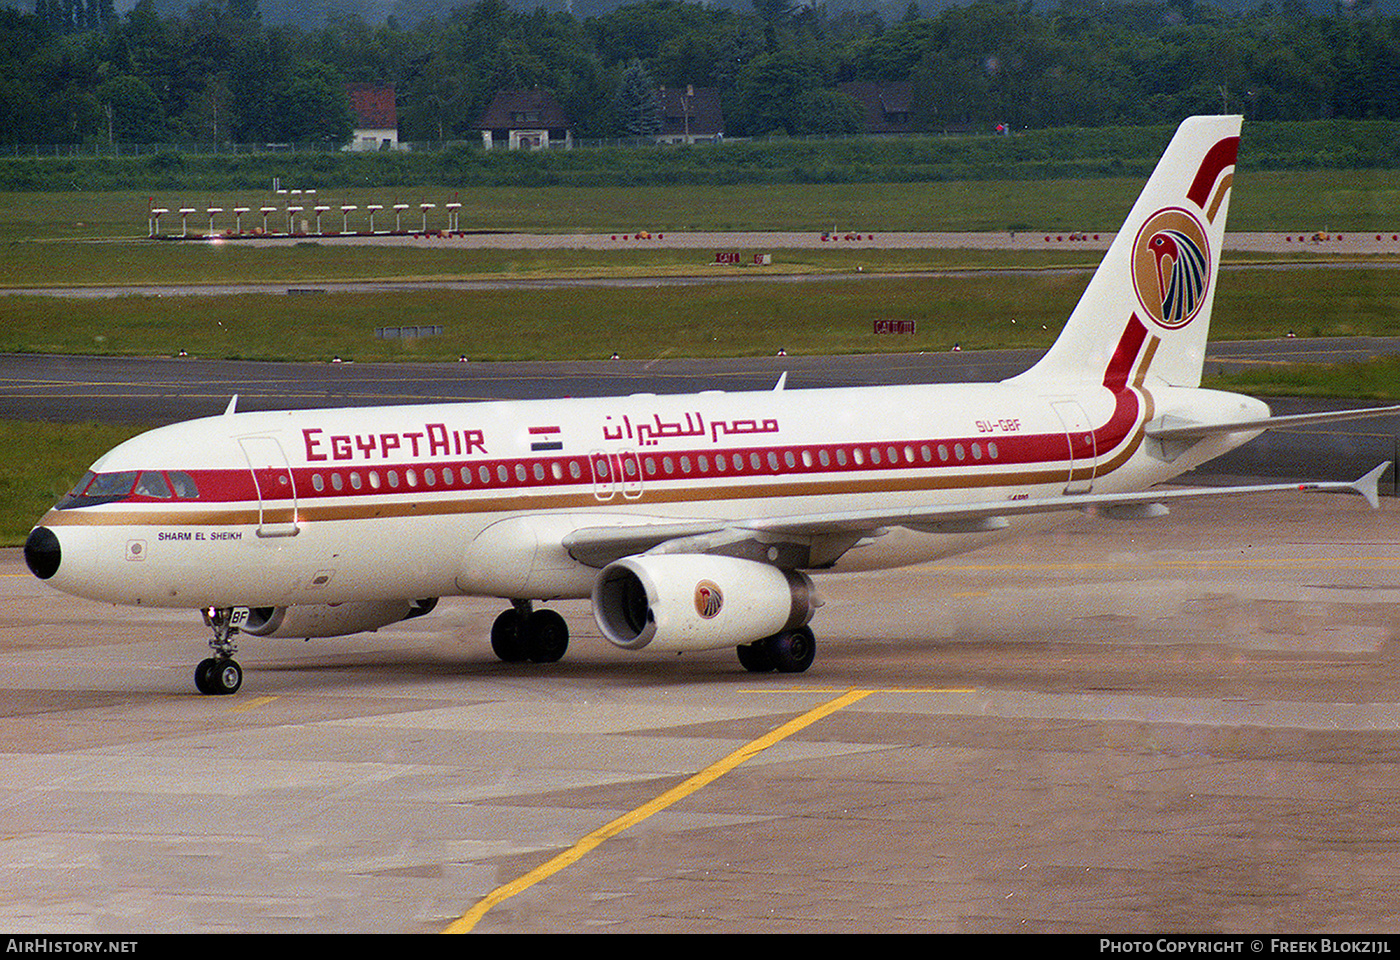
(329, 506)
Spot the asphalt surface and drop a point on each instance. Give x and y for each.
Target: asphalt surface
(1181, 726)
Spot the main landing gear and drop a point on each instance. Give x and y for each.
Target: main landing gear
(523, 633)
(220, 674)
(791, 651)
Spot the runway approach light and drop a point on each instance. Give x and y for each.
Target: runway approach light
(265, 211)
(238, 219)
(399, 208)
(320, 210)
(454, 209)
(291, 218)
(426, 207)
(185, 220)
(373, 208)
(154, 223)
(345, 209)
(211, 211)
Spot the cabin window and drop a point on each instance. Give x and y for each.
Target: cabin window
(874, 456)
(943, 452)
(575, 471)
(502, 474)
(992, 450)
(538, 471)
(926, 453)
(823, 457)
(374, 479)
(429, 477)
(485, 473)
(393, 479)
(337, 482)
(789, 459)
(520, 472)
(355, 479)
(959, 452)
(772, 461)
(317, 483)
(703, 462)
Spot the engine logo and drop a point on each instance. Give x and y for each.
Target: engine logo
(708, 599)
(1171, 267)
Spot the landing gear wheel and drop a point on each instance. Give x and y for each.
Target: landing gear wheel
(546, 636)
(792, 651)
(507, 638)
(754, 657)
(203, 679)
(218, 677)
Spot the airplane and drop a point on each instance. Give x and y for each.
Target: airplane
(693, 522)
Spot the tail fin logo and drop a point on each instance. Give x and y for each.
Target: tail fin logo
(1171, 267)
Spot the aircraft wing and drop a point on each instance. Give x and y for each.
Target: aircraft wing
(818, 539)
(1174, 428)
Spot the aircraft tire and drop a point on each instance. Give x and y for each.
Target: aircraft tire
(227, 676)
(203, 677)
(546, 636)
(507, 637)
(792, 651)
(754, 657)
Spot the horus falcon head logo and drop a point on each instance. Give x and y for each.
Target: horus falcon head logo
(708, 599)
(1171, 267)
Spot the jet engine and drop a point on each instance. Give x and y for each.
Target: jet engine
(334, 619)
(698, 601)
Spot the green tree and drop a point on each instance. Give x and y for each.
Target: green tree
(636, 107)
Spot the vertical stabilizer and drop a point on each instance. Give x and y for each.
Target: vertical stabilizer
(1160, 272)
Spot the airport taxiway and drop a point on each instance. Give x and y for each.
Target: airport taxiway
(1186, 725)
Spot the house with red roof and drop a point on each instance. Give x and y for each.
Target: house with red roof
(376, 116)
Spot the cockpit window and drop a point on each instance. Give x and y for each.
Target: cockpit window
(99, 488)
(183, 484)
(111, 484)
(152, 484)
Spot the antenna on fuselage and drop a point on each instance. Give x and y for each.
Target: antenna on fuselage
(232, 405)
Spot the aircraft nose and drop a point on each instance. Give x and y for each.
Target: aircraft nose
(42, 552)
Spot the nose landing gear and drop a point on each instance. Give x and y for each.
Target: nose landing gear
(220, 674)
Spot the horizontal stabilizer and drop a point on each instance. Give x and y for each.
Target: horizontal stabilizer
(1168, 429)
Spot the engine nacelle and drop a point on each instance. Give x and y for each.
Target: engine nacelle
(334, 619)
(697, 602)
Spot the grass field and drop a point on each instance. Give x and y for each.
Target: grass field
(1283, 201)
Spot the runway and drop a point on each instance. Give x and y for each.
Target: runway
(1180, 726)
